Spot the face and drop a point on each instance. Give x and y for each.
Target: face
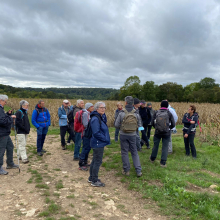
(3, 102)
(137, 105)
(190, 111)
(25, 106)
(42, 104)
(65, 104)
(91, 109)
(150, 106)
(81, 104)
(143, 105)
(101, 109)
(120, 106)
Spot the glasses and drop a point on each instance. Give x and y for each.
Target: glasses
(102, 108)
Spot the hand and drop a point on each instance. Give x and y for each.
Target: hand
(192, 122)
(69, 104)
(13, 116)
(186, 136)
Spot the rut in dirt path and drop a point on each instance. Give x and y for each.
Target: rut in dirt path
(65, 188)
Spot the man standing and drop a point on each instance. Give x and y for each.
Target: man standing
(83, 160)
(64, 126)
(149, 126)
(162, 121)
(6, 120)
(41, 120)
(78, 139)
(128, 121)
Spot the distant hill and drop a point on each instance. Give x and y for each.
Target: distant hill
(56, 93)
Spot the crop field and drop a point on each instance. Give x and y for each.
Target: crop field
(209, 114)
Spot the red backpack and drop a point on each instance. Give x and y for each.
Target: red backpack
(78, 125)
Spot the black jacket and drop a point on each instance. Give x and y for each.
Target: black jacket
(145, 116)
(22, 122)
(5, 123)
(171, 120)
(188, 127)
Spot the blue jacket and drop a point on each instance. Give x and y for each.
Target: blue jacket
(63, 115)
(100, 133)
(40, 117)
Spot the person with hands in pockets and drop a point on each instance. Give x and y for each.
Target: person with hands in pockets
(41, 120)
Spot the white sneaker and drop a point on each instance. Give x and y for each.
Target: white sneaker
(68, 144)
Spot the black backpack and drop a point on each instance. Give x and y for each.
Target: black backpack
(162, 121)
(88, 131)
(70, 118)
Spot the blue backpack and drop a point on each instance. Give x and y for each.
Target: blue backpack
(88, 131)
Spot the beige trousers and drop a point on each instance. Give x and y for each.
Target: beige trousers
(22, 139)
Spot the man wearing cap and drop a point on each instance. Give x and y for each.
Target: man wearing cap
(64, 126)
(83, 159)
(162, 131)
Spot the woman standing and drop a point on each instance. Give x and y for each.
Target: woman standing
(100, 138)
(190, 120)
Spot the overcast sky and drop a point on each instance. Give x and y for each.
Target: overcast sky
(100, 43)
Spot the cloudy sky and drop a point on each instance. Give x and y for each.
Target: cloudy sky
(100, 43)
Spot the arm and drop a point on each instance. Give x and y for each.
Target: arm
(34, 119)
(60, 114)
(118, 120)
(185, 121)
(48, 115)
(96, 127)
(195, 119)
(172, 121)
(5, 119)
(85, 119)
(116, 114)
(139, 121)
(148, 116)
(173, 112)
(18, 121)
(153, 120)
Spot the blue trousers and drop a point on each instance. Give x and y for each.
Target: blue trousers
(85, 152)
(41, 135)
(116, 133)
(78, 141)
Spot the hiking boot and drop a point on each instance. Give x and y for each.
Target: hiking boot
(170, 153)
(152, 161)
(163, 165)
(68, 144)
(14, 166)
(126, 173)
(43, 151)
(97, 184)
(25, 161)
(39, 154)
(88, 164)
(76, 159)
(20, 158)
(139, 174)
(63, 147)
(3, 172)
(83, 168)
(139, 149)
(90, 181)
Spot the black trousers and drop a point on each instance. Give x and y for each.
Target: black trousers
(148, 131)
(63, 130)
(144, 136)
(190, 142)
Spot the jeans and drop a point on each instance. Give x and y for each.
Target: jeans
(6, 144)
(144, 136)
(148, 131)
(165, 142)
(96, 163)
(170, 146)
(190, 142)
(78, 141)
(85, 152)
(41, 135)
(116, 133)
(63, 130)
(129, 142)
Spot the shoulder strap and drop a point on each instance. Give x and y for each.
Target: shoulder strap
(22, 114)
(133, 111)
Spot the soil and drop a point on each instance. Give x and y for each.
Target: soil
(77, 199)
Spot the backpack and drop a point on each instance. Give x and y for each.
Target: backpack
(78, 125)
(22, 114)
(70, 118)
(129, 123)
(162, 121)
(88, 131)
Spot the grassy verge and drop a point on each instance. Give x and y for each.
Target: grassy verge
(182, 190)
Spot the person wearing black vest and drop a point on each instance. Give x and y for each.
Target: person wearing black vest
(23, 129)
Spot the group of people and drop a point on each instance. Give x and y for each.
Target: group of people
(87, 126)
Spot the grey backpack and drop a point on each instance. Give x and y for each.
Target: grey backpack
(162, 121)
(129, 123)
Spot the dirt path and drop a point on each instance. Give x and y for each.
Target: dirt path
(64, 192)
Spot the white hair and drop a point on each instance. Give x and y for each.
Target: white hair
(98, 104)
(78, 101)
(3, 97)
(23, 102)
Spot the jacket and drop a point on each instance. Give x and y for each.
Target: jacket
(173, 112)
(100, 133)
(145, 115)
(171, 120)
(76, 109)
(117, 111)
(121, 116)
(5, 123)
(40, 117)
(188, 127)
(152, 111)
(62, 113)
(22, 122)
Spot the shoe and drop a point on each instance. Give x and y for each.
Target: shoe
(139, 174)
(14, 166)
(148, 147)
(170, 153)
(76, 159)
(88, 164)
(126, 173)
(98, 184)
(39, 153)
(152, 161)
(20, 158)
(83, 168)
(163, 165)
(63, 147)
(43, 151)
(3, 172)
(25, 161)
(90, 181)
(68, 144)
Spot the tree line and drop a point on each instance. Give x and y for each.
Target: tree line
(206, 90)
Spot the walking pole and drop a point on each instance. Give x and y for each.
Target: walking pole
(16, 146)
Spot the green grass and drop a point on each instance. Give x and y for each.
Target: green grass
(171, 187)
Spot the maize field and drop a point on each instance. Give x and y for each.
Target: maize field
(209, 114)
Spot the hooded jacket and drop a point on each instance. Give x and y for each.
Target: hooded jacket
(100, 133)
(40, 117)
(188, 127)
(5, 123)
(22, 122)
(76, 109)
(62, 113)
